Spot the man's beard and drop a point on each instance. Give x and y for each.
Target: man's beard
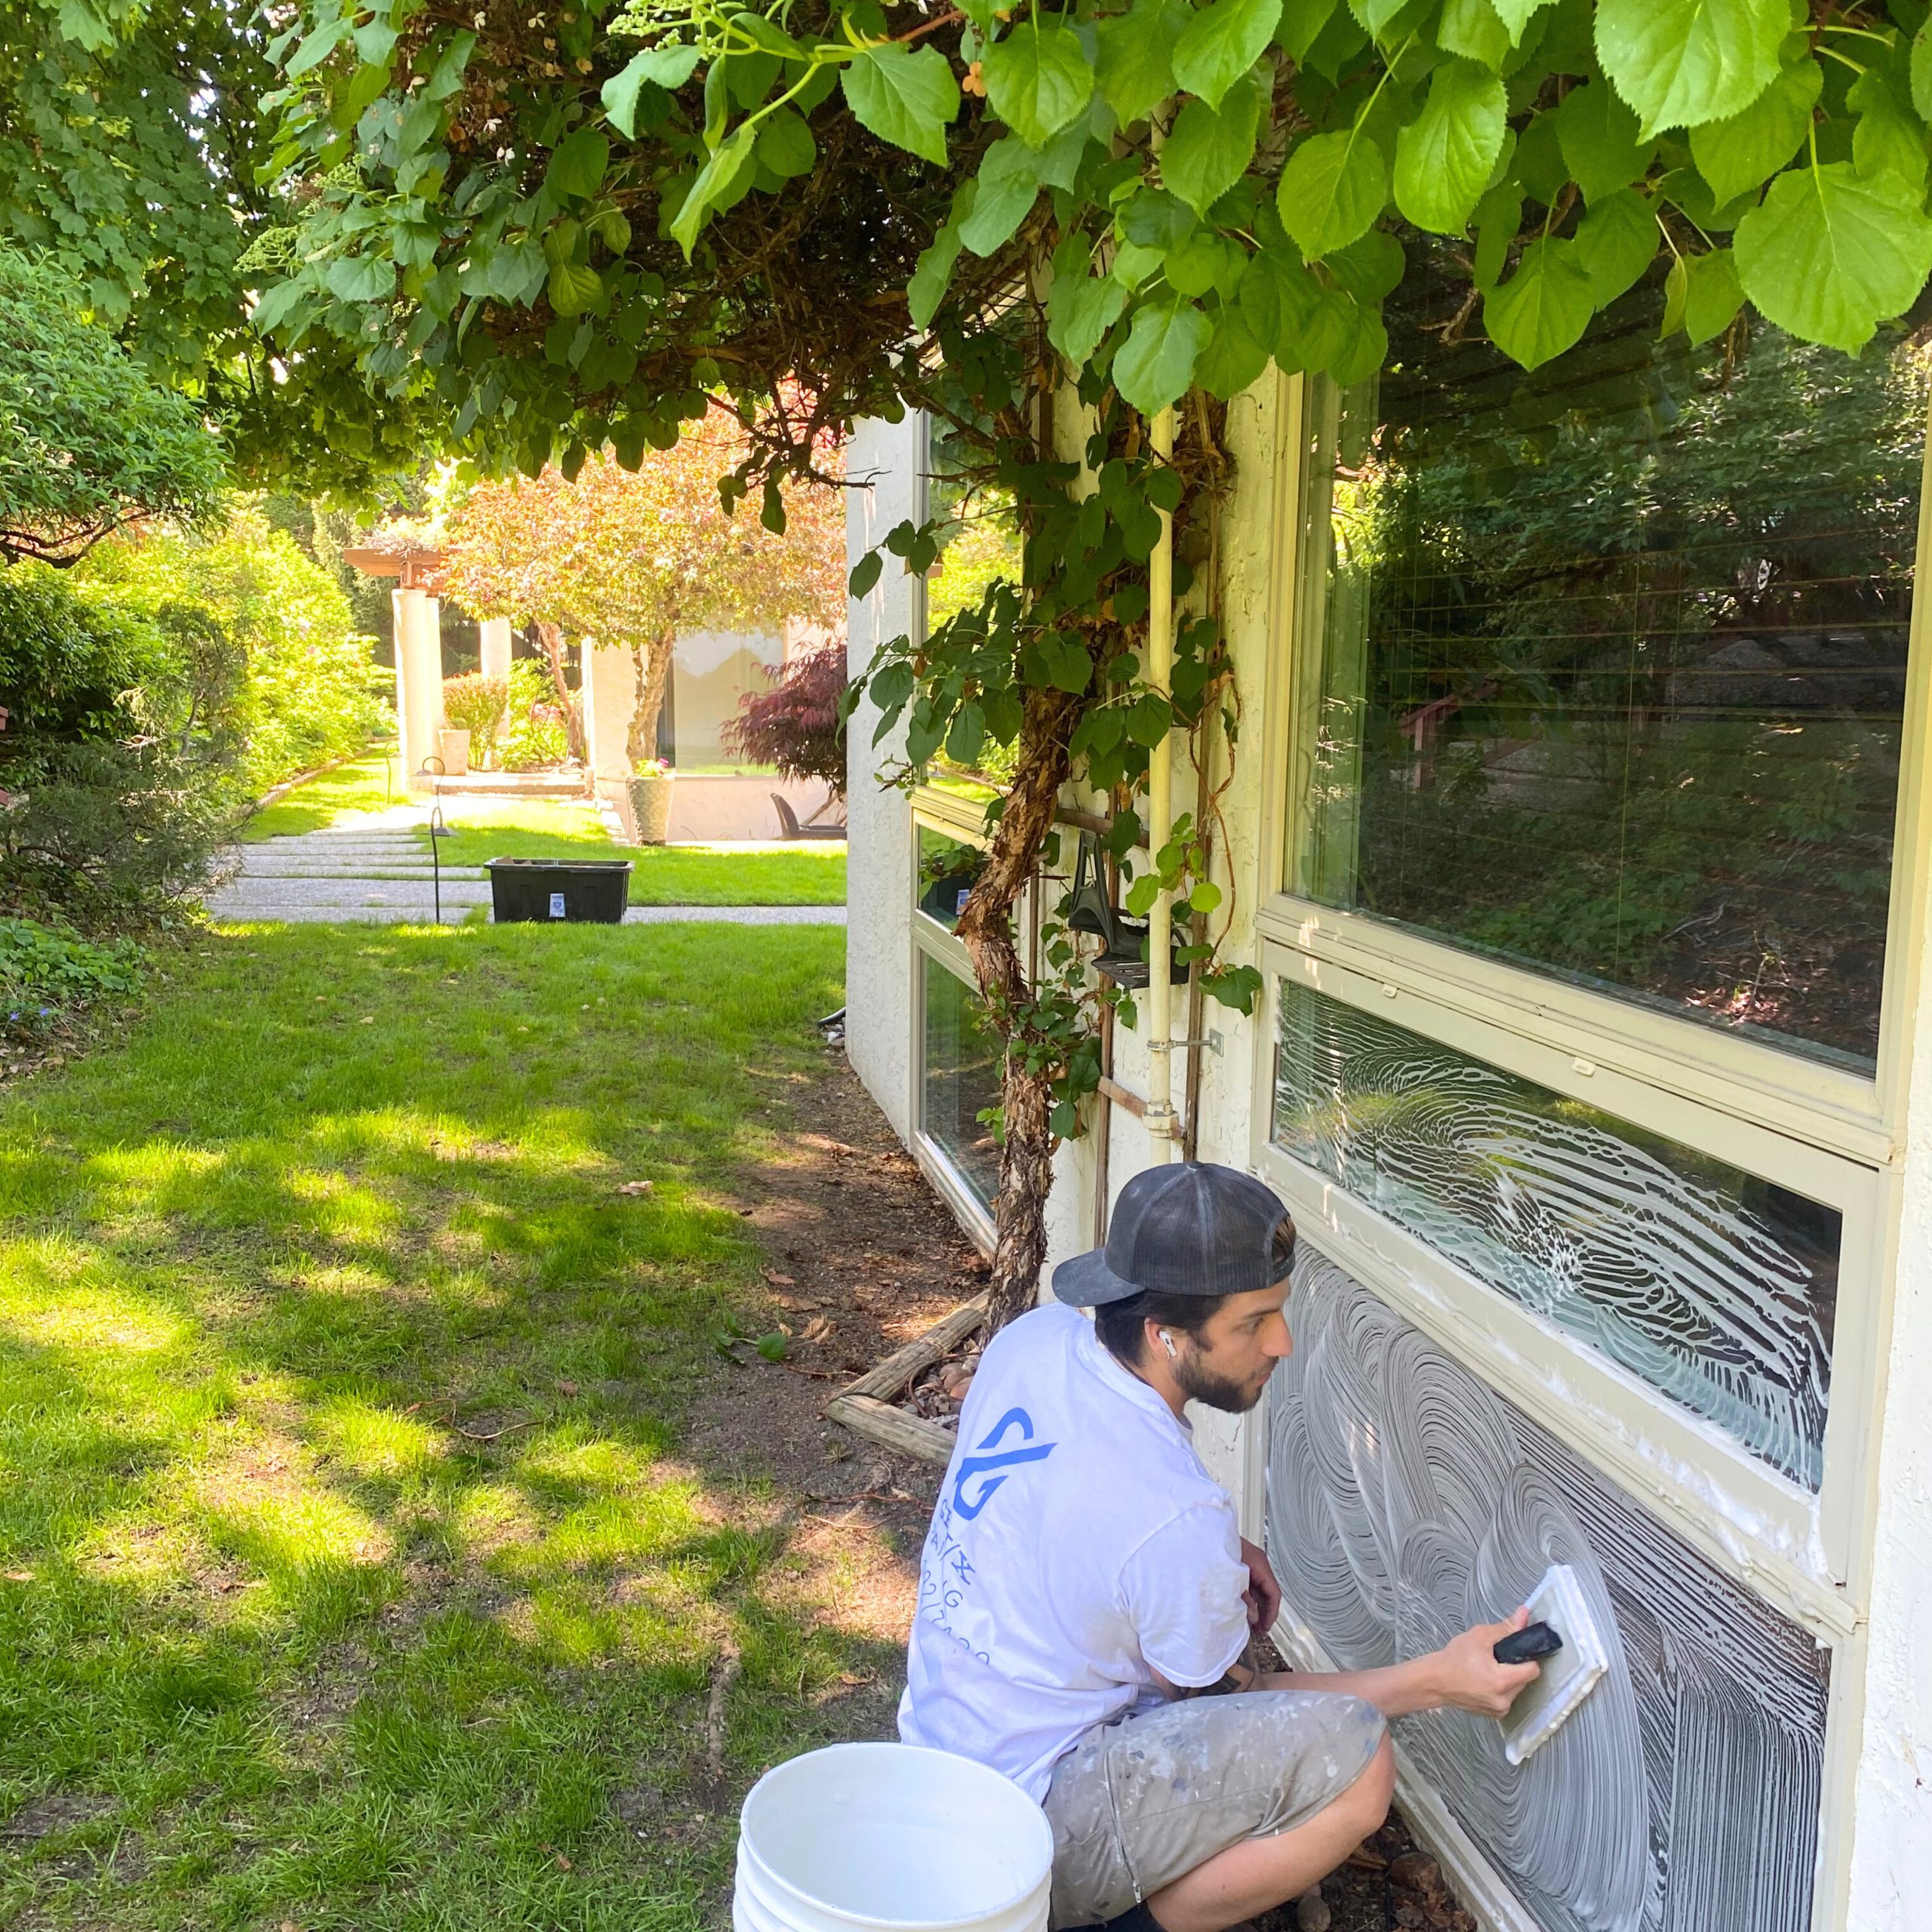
(1199, 1384)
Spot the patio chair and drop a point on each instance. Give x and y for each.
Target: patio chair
(789, 826)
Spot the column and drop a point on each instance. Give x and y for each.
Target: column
(419, 669)
(610, 697)
(496, 634)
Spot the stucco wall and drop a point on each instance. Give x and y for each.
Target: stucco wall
(890, 456)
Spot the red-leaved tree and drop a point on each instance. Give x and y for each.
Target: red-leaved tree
(796, 725)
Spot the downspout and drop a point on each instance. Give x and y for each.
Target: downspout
(1162, 1125)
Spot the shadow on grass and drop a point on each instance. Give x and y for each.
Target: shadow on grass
(351, 1576)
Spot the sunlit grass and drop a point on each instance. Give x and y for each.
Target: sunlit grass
(368, 785)
(349, 1574)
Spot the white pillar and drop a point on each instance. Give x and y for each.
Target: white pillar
(496, 634)
(419, 677)
(609, 700)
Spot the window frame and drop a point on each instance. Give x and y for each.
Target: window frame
(1829, 1131)
(933, 949)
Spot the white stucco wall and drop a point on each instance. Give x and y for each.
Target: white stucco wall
(891, 458)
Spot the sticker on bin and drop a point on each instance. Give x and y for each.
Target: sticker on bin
(556, 904)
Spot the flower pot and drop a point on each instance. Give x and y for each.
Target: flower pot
(651, 806)
(455, 748)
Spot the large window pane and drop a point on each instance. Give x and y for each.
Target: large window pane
(1714, 1286)
(962, 1080)
(1613, 657)
(949, 867)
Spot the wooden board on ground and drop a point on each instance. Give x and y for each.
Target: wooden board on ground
(865, 1406)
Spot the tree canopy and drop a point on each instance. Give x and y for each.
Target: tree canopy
(88, 441)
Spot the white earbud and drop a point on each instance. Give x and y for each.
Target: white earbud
(1167, 1341)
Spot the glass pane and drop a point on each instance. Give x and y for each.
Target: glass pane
(1613, 657)
(962, 1080)
(711, 671)
(947, 871)
(1714, 1287)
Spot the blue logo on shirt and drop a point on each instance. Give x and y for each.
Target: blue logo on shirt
(977, 1468)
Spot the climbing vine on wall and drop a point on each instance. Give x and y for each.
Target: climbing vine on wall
(574, 225)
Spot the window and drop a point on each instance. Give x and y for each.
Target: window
(949, 867)
(1717, 1287)
(1607, 668)
(960, 1080)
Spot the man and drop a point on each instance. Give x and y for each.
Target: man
(1084, 1583)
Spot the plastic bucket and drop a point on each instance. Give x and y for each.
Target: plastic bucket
(891, 1837)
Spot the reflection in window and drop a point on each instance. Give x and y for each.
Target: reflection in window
(947, 870)
(711, 671)
(1613, 657)
(1714, 1287)
(962, 1076)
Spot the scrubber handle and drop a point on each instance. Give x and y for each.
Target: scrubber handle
(1529, 1644)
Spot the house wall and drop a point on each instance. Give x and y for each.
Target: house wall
(1871, 1634)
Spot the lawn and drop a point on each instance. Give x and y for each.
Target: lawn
(368, 785)
(350, 1575)
(810, 873)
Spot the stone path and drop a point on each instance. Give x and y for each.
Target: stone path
(375, 869)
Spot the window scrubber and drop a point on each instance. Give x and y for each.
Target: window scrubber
(1572, 1665)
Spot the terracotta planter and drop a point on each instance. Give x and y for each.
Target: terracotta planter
(651, 806)
(454, 746)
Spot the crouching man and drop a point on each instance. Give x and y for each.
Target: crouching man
(1085, 1589)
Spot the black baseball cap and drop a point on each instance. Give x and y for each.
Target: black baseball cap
(1190, 1228)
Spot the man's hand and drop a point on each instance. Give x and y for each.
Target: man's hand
(1469, 1678)
(1263, 1593)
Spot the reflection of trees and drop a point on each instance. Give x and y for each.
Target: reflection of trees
(1635, 672)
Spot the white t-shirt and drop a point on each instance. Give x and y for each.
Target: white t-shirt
(1078, 1547)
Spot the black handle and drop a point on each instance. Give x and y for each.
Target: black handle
(1533, 1642)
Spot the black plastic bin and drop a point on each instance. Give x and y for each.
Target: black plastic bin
(597, 889)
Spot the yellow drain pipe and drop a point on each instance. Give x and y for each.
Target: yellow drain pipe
(1163, 1124)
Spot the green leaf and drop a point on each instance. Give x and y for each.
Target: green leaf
(1922, 71)
(786, 145)
(1615, 242)
(1233, 359)
(907, 96)
(1544, 308)
(1712, 294)
(578, 163)
(1332, 189)
(1681, 63)
(927, 289)
(1829, 254)
(1037, 80)
(1517, 15)
(1207, 151)
(1149, 719)
(1205, 896)
(968, 734)
(773, 1346)
(715, 180)
(572, 287)
(1374, 15)
(666, 67)
(1499, 216)
(1676, 285)
(1888, 138)
(1475, 29)
(1155, 364)
(1302, 22)
(1221, 43)
(1136, 57)
(1737, 154)
(1009, 184)
(1066, 661)
(360, 278)
(1081, 309)
(1444, 157)
(1597, 136)
(864, 574)
(1278, 295)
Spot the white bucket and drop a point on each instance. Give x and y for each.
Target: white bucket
(891, 1836)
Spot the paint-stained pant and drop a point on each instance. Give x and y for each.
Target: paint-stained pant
(1138, 1803)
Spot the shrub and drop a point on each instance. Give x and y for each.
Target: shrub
(475, 703)
(101, 831)
(47, 973)
(798, 724)
(534, 733)
(270, 672)
(68, 666)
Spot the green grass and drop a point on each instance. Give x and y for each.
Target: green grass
(285, 1642)
(368, 785)
(810, 873)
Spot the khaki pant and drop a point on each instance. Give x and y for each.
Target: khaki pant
(1139, 1803)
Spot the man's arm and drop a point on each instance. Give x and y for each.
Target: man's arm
(1464, 1675)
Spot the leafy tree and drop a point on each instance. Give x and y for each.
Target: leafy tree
(68, 669)
(634, 556)
(798, 725)
(564, 223)
(88, 443)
